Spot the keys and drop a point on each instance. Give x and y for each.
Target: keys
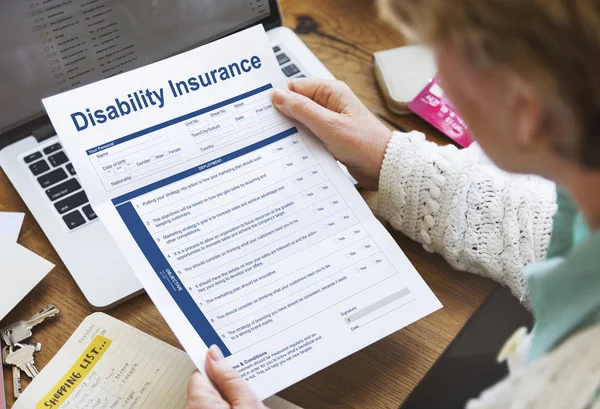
(58, 159)
(89, 212)
(18, 354)
(16, 372)
(52, 148)
(17, 388)
(71, 169)
(32, 156)
(71, 202)
(21, 330)
(65, 188)
(290, 70)
(73, 219)
(39, 167)
(22, 357)
(276, 49)
(282, 58)
(52, 178)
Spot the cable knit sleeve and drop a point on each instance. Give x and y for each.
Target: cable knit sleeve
(458, 204)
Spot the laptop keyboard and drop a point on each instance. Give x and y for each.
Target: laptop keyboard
(289, 68)
(56, 175)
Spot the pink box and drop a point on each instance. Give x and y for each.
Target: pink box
(433, 106)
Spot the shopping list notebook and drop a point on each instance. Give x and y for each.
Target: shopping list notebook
(109, 364)
(241, 226)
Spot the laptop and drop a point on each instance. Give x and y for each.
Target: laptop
(48, 47)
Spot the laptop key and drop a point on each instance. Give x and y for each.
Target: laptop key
(71, 202)
(71, 169)
(89, 212)
(290, 70)
(31, 157)
(40, 167)
(73, 219)
(276, 49)
(282, 58)
(301, 76)
(52, 178)
(52, 148)
(58, 159)
(65, 188)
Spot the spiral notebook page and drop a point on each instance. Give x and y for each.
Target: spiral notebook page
(109, 364)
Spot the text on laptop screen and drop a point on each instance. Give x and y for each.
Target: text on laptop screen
(50, 46)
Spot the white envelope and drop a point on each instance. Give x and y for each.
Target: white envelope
(20, 271)
(10, 225)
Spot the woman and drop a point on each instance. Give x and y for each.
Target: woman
(525, 75)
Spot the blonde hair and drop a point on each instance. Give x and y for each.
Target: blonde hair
(553, 44)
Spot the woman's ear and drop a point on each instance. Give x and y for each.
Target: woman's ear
(530, 117)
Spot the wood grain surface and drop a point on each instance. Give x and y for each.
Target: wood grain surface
(344, 36)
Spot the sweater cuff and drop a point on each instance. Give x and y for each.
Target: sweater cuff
(398, 164)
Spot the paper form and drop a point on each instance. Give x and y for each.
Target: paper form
(240, 225)
(108, 364)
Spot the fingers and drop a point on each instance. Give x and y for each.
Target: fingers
(203, 395)
(327, 93)
(305, 110)
(313, 88)
(331, 94)
(233, 388)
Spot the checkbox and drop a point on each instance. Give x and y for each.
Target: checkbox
(274, 150)
(336, 241)
(342, 218)
(283, 166)
(358, 270)
(353, 233)
(294, 181)
(347, 255)
(375, 262)
(315, 211)
(304, 197)
(325, 226)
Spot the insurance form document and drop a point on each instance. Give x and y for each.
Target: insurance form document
(241, 226)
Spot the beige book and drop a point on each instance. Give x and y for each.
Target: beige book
(109, 364)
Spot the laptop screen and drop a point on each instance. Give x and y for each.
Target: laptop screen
(50, 46)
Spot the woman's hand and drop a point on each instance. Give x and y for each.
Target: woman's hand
(228, 390)
(336, 116)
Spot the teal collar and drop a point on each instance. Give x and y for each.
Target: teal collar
(565, 293)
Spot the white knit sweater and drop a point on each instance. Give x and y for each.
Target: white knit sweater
(458, 204)
(485, 221)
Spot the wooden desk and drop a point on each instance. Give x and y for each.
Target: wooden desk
(380, 376)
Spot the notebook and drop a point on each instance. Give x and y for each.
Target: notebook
(109, 364)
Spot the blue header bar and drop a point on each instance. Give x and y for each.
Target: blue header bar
(177, 120)
(201, 168)
(169, 278)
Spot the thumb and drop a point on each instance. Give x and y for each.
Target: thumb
(234, 389)
(316, 117)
